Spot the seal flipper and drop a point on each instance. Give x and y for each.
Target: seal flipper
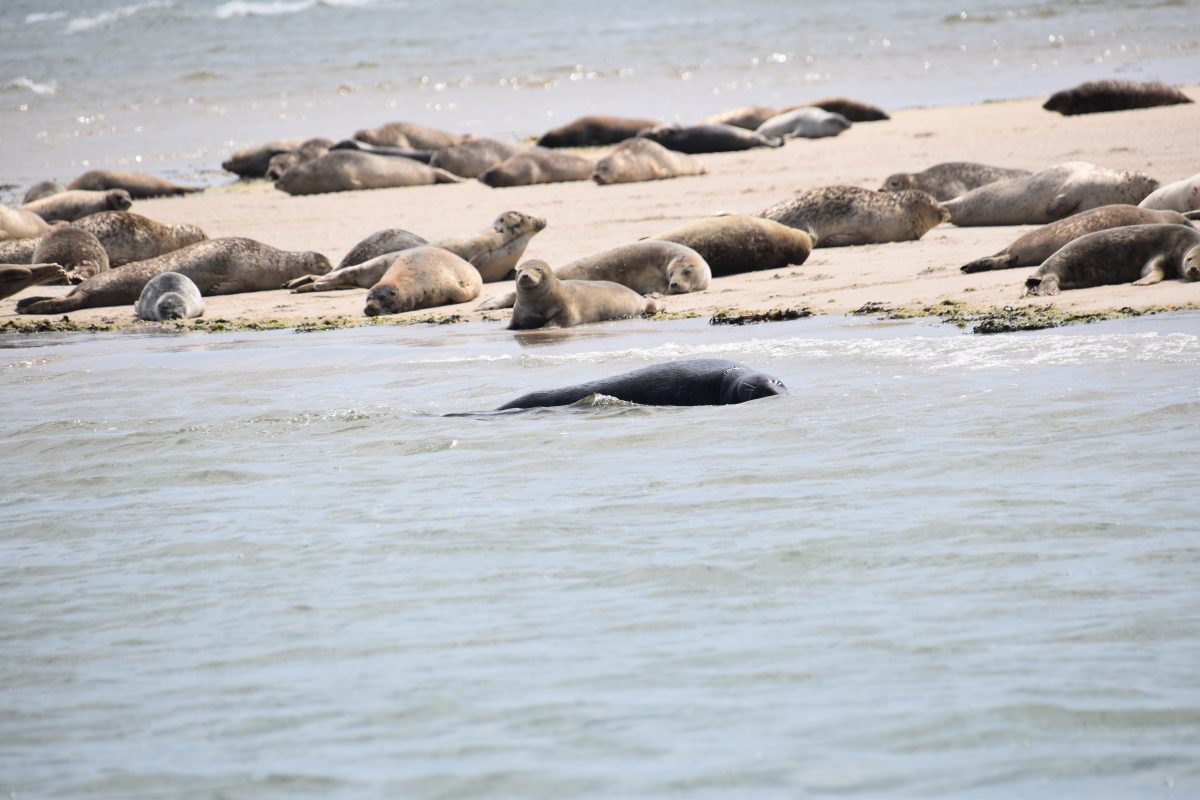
(49, 305)
(304, 280)
(1153, 272)
(1064, 205)
(499, 301)
(1041, 285)
(991, 262)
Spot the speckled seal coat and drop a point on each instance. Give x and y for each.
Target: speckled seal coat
(640, 159)
(78, 252)
(735, 243)
(423, 277)
(835, 216)
(1138, 254)
(948, 180)
(545, 301)
(129, 237)
(169, 295)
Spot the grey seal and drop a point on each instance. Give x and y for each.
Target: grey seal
(169, 295)
(708, 138)
(697, 382)
(350, 170)
(735, 243)
(835, 216)
(545, 301)
(640, 159)
(805, 123)
(78, 252)
(139, 185)
(410, 135)
(1182, 196)
(74, 204)
(15, 277)
(474, 157)
(1141, 254)
(252, 162)
(538, 165)
(423, 277)
(594, 130)
(129, 237)
(1093, 97)
(950, 179)
(17, 223)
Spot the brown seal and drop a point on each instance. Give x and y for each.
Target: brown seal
(408, 134)
(474, 157)
(252, 162)
(216, 266)
(15, 277)
(423, 277)
(139, 186)
(1141, 254)
(17, 223)
(129, 237)
(538, 165)
(1113, 95)
(735, 243)
(853, 110)
(544, 301)
(835, 216)
(307, 151)
(74, 204)
(949, 179)
(748, 117)
(1036, 246)
(78, 252)
(350, 170)
(593, 130)
(639, 159)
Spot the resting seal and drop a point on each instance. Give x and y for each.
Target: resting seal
(421, 155)
(699, 382)
(1182, 196)
(17, 223)
(1113, 95)
(474, 157)
(544, 301)
(853, 110)
(423, 277)
(736, 243)
(1143, 254)
(42, 189)
(74, 204)
(538, 165)
(1048, 195)
(640, 159)
(1036, 246)
(18, 251)
(408, 134)
(805, 123)
(950, 179)
(138, 185)
(169, 295)
(748, 117)
(75, 250)
(129, 237)
(15, 277)
(349, 170)
(216, 266)
(591, 131)
(307, 151)
(835, 216)
(252, 162)
(708, 138)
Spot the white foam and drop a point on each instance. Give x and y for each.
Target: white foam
(270, 8)
(46, 16)
(48, 88)
(81, 24)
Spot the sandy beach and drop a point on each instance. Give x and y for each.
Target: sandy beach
(584, 218)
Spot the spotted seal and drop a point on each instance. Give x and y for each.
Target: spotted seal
(74, 204)
(78, 252)
(423, 277)
(640, 159)
(169, 295)
(950, 179)
(129, 237)
(735, 243)
(545, 301)
(1141, 254)
(835, 216)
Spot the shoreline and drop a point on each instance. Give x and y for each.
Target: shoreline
(897, 278)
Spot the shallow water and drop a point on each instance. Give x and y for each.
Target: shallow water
(265, 565)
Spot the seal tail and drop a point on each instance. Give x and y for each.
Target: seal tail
(990, 263)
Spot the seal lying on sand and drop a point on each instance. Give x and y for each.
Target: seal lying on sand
(735, 243)
(708, 138)
(1036, 246)
(409, 135)
(74, 204)
(75, 250)
(252, 162)
(805, 123)
(138, 185)
(699, 382)
(350, 170)
(1113, 95)
(216, 266)
(1182, 196)
(129, 237)
(950, 179)
(538, 165)
(544, 301)
(640, 159)
(17, 223)
(592, 130)
(1141, 254)
(307, 151)
(169, 295)
(423, 277)
(15, 277)
(748, 117)
(1048, 195)
(474, 157)
(42, 189)
(835, 216)
(853, 110)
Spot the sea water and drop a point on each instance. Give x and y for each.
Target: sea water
(172, 87)
(282, 565)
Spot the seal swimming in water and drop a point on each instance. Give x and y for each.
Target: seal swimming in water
(1093, 97)
(640, 159)
(139, 185)
(805, 123)
(78, 252)
(1182, 196)
(216, 266)
(350, 170)
(74, 204)
(835, 216)
(708, 138)
(545, 301)
(409, 135)
(949, 179)
(1141, 254)
(735, 243)
(423, 277)
(129, 237)
(1036, 246)
(1048, 195)
(594, 130)
(697, 382)
(169, 295)
(538, 165)
(15, 277)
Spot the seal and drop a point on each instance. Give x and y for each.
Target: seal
(17, 223)
(216, 266)
(805, 123)
(853, 110)
(410, 135)
(593, 130)
(544, 301)
(252, 162)
(1049, 195)
(138, 185)
(474, 157)
(42, 189)
(73, 204)
(696, 382)
(1143, 254)
(735, 243)
(388, 240)
(349, 170)
(950, 179)
(835, 216)
(1036, 246)
(640, 159)
(383, 150)
(708, 138)
(1093, 97)
(538, 165)
(129, 237)
(169, 295)
(15, 277)
(1182, 196)
(307, 151)
(423, 277)
(18, 251)
(78, 252)
(748, 117)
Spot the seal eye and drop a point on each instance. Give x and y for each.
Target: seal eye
(687, 271)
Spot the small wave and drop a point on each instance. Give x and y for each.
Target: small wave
(81, 24)
(28, 84)
(270, 8)
(45, 16)
(203, 75)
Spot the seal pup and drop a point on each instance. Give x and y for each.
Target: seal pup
(72, 204)
(423, 277)
(538, 165)
(350, 170)
(1049, 195)
(950, 179)
(708, 138)
(216, 266)
(252, 162)
(594, 130)
(1141, 254)
(409, 135)
(1036, 246)
(474, 157)
(835, 216)
(129, 237)
(804, 123)
(1182, 196)
(42, 189)
(78, 252)
(17, 223)
(1093, 97)
(15, 277)
(748, 117)
(853, 110)
(169, 295)
(139, 185)
(544, 301)
(696, 382)
(735, 243)
(640, 159)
